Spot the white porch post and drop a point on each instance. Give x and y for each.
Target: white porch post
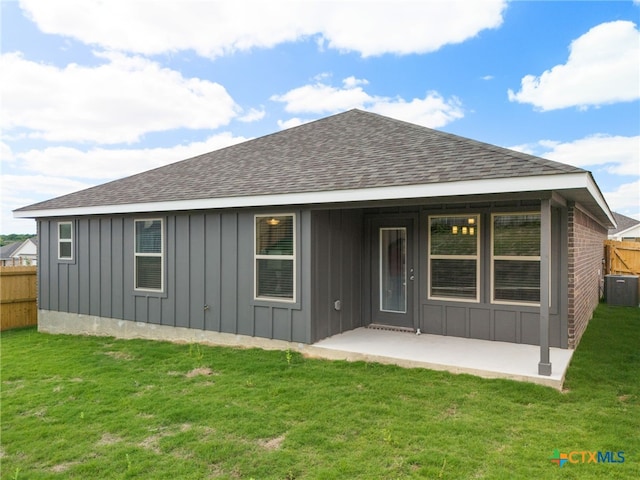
(544, 366)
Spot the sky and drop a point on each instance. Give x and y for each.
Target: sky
(92, 91)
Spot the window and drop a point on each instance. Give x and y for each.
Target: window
(275, 248)
(516, 258)
(453, 257)
(149, 259)
(65, 241)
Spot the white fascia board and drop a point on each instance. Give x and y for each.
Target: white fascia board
(595, 192)
(581, 180)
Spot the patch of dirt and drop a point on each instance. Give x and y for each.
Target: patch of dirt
(624, 398)
(206, 371)
(143, 390)
(15, 384)
(108, 439)
(151, 442)
(119, 355)
(273, 444)
(63, 467)
(452, 411)
(41, 412)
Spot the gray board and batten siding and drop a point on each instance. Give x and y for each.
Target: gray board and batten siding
(209, 275)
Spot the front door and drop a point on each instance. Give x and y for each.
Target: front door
(392, 273)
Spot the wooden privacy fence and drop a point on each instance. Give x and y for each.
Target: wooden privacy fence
(18, 297)
(621, 258)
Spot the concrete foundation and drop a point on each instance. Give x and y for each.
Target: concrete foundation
(77, 324)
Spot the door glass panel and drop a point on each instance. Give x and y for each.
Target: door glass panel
(393, 270)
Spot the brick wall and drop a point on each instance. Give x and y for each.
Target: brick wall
(586, 250)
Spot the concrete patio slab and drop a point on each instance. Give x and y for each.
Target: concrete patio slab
(484, 358)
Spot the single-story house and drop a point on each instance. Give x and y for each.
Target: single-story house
(627, 230)
(351, 220)
(20, 253)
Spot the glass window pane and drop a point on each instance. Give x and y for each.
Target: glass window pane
(516, 235)
(393, 265)
(517, 280)
(274, 235)
(65, 250)
(454, 235)
(274, 278)
(64, 231)
(149, 272)
(453, 278)
(149, 236)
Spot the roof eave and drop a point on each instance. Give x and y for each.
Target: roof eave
(557, 182)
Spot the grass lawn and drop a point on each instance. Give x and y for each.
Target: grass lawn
(88, 407)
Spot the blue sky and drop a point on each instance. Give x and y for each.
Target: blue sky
(92, 91)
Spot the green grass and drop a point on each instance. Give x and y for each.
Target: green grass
(87, 407)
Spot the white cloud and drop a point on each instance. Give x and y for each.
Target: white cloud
(21, 190)
(292, 122)
(213, 29)
(602, 68)
(321, 98)
(616, 154)
(103, 164)
(431, 111)
(374, 28)
(6, 154)
(352, 81)
(116, 102)
(625, 199)
(253, 115)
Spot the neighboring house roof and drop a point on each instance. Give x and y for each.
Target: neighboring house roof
(624, 223)
(7, 251)
(352, 156)
(12, 250)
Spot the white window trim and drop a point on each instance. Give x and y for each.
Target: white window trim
(475, 257)
(65, 240)
(293, 257)
(136, 254)
(524, 258)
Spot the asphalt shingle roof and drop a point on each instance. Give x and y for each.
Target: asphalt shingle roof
(350, 150)
(623, 222)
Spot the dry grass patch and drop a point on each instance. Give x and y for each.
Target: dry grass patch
(108, 439)
(120, 355)
(205, 371)
(273, 444)
(63, 467)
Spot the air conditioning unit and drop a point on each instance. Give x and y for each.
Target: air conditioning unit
(621, 290)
